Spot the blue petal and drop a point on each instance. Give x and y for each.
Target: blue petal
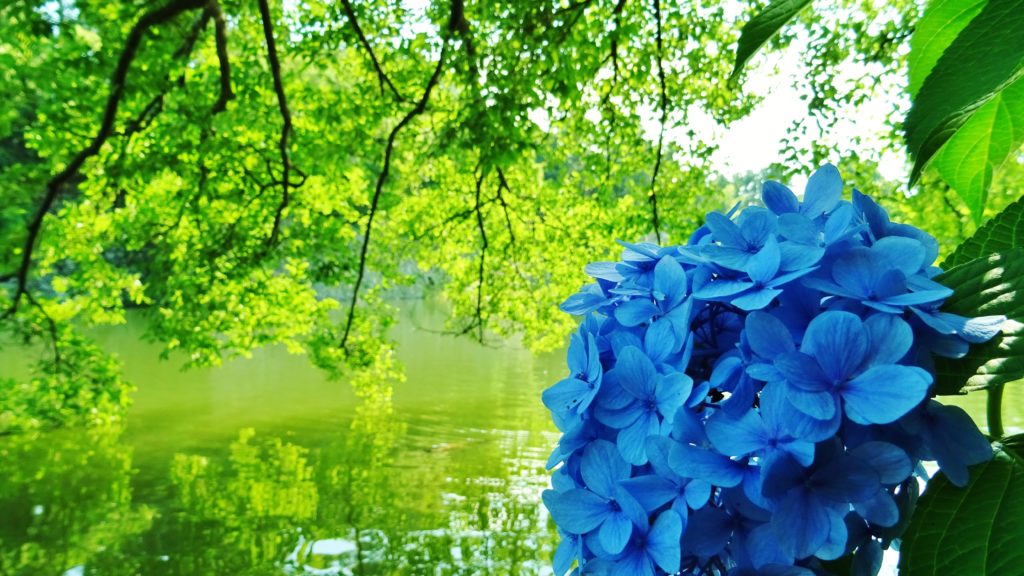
(763, 547)
(603, 468)
(904, 254)
(890, 461)
(890, 338)
(670, 279)
(604, 270)
(757, 226)
(778, 198)
(867, 561)
(727, 256)
(721, 288)
(565, 554)
(838, 223)
(823, 192)
(663, 541)
(614, 533)
(737, 436)
(765, 264)
(692, 462)
(567, 395)
(635, 372)
(588, 299)
(756, 299)
(670, 392)
(724, 230)
(803, 372)
(799, 228)
(811, 429)
(636, 312)
(884, 393)
(715, 528)
(835, 544)
(796, 256)
(839, 343)
(577, 511)
(879, 510)
(955, 441)
(632, 439)
(659, 341)
(801, 524)
(651, 491)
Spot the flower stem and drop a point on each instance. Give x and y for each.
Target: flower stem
(995, 412)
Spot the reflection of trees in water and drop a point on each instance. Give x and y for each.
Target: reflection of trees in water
(66, 501)
(367, 504)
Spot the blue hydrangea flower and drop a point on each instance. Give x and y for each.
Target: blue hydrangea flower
(756, 401)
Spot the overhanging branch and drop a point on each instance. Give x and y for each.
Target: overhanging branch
(117, 86)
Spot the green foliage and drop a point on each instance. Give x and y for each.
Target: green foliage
(956, 105)
(1000, 234)
(762, 27)
(973, 530)
(990, 285)
(940, 24)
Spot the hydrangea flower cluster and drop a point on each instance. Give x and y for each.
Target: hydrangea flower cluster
(757, 402)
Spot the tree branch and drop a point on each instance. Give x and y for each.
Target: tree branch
(483, 259)
(653, 197)
(286, 118)
(382, 78)
(221, 36)
(117, 85)
(418, 109)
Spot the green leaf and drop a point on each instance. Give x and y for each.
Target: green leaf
(981, 146)
(988, 286)
(1000, 234)
(983, 60)
(762, 27)
(972, 530)
(935, 31)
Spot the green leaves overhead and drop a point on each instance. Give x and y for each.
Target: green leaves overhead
(993, 285)
(934, 32)
(995, 131)
(984, 59)
(762, 27)
(976, 530)
(1000, 234)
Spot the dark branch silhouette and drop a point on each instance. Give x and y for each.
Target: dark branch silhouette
(382, 78)
(663, 104)
(117, 86)
(286, 118)
(419, 108)
(481, 269)
(221, 36)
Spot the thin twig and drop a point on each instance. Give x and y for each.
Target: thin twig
(286, 118)
(421, 106)
(483, 258)
(382, 77)
(117, 87)
(653, 197)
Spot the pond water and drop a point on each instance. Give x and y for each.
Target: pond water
(263, 467)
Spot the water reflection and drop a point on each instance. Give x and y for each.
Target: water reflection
(262, 467)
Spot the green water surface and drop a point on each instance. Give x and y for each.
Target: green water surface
(263, 467)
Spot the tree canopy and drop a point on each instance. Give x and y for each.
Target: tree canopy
(258, 173)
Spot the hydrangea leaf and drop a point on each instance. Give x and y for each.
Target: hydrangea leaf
(1001, 233)
(984, 59)
(992, 285)
(974, 530)
(942, 21)
(967, 161)
(762, 27)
